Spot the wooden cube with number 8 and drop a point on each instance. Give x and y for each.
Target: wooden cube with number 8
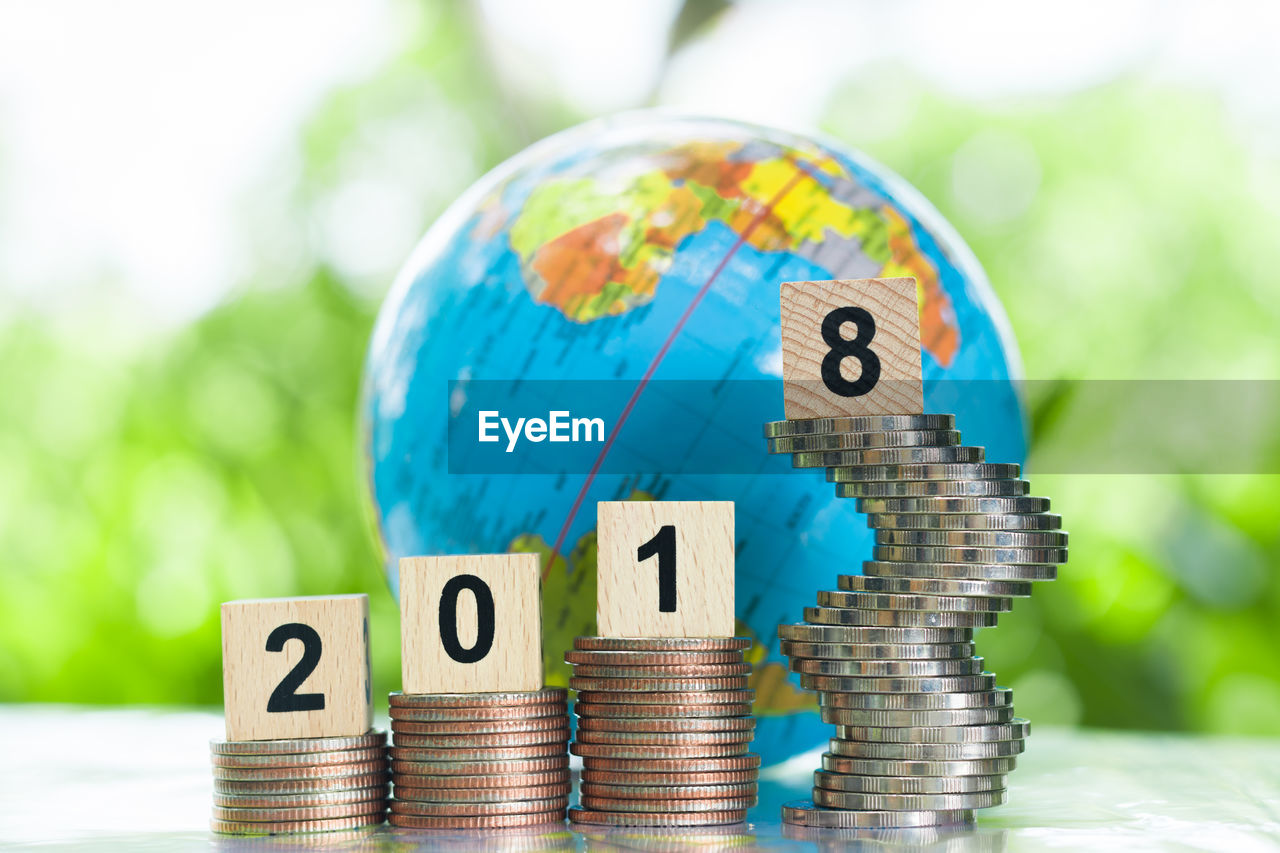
(296, 667)
(665, 569)
(471, 624)
(851, 347)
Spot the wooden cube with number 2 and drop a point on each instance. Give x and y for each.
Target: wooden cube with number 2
(296, 667)
(471, 624)
(665, 569)
(851, 347)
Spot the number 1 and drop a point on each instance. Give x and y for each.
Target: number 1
(664, 545)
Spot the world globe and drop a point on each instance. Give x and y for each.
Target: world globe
(646, 249)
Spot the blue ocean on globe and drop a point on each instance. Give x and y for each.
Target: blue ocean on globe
(639, 256)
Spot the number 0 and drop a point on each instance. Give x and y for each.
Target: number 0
(664, 545)
(485, 626)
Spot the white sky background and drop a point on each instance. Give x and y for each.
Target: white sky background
(131, 132)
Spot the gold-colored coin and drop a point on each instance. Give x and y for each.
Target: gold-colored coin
(274, 827)
(581, 815)
(408, 821)
(477, 700)
(413, 807)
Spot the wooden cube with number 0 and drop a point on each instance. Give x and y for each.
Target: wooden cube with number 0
(471, 624)
(851, 347)
(665, 569)
(296, 667)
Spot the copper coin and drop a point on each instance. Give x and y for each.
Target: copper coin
(695, 724)
(477, 700)
(408, 821)
(580, 815)
(665, 738)
(468, 727)
(617, 778)
(658, 685)
(311, 759)
(661, 644)
(489, 713)
(496, 780)
(614, 750)
(560, 761)
(303, 813)
(328, 798)
(272, 787)
(673, 658)
(487, 739)
(714, 764)
(482, 795)
(668, 712)
(271, 827)
(489, 753)
(328, 771)
(686, 698)
(668, 792)
(707, 804)
(701, 670)
(219, 746)
(473, 809)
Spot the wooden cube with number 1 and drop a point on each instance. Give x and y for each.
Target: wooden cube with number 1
(296, 667)
(665, 569)
(851, 347)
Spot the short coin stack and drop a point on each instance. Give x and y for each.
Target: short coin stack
(664, 726)
(923, 735)
(263, 787)
(479, 760)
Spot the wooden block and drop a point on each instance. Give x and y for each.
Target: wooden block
(296, 667)
(665, 569)
(851, 347)
(471, 624)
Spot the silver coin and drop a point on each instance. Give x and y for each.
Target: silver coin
(891, 601)
(857, 423)
(863, 634)
(954, 454)
(937, 586)
(907, 784)
(952, 717)
(1015, 729)
(938, 554)
(876, 652)
(964, 506)
(864, 440)
(805, 813)
(933, 488)
(878, 668)
(294, 746)
(926, 751)
(997, 698)
(857, 800)
(975, 538)
(964, 521)
(906, 684)
(960, 571)
(909, 767)
(922, 472)
(898, 618)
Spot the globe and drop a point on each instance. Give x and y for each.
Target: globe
(643, 249)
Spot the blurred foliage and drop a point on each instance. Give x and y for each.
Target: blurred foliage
(1128, 230)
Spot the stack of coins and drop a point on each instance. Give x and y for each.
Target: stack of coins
(264, 787)
(923, 734)
(664, 726)
(479, 760)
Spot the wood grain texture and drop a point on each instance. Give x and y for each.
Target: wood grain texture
(628, 596)
(250, 673)
(512, 663)
(893, 305)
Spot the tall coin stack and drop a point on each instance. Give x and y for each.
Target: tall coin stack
(664, 726)
(264, 787)
(479, 760)
(923, 735)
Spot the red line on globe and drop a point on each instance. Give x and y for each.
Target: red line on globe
(801, 173)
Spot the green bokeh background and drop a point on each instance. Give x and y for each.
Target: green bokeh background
(140, 489)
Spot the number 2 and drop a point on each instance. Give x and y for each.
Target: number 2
(856, 347)
(664, 545)
(285, 697)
